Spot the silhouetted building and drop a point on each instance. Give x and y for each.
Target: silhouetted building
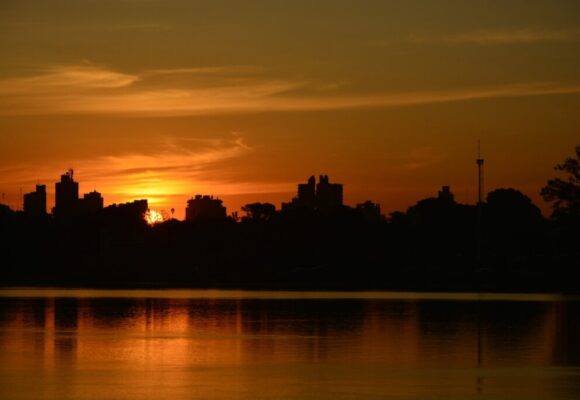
(446, 195)
(35, 202)
(5, 211)
(126, 213)
(139, 206)
(370, 211)
(328, 195)
(204, 208)
(91, 202)
(307, 193)
(321, 196)
(66, 195)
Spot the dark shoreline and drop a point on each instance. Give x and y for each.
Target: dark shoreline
(540, 284)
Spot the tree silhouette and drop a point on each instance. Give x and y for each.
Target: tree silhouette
(510, 206)
(259, 211)
(564, 194)
(513, 223)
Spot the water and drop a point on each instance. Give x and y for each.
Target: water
(87, 344)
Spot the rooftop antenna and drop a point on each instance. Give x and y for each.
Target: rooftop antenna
(479, 162)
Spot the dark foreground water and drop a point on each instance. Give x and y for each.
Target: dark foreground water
(81, 344)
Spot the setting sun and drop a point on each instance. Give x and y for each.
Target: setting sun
(153, 217)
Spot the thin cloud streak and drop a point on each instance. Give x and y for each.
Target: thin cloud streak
(241, 69)
(57, 79)
(89, 89)
(501, 37)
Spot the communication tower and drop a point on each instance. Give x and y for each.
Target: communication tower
(479, 162)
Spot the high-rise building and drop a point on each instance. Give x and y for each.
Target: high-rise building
(323, 195)
(204, 208)
(35, 202)
(328, 195)
(307, 192)
(66, 195)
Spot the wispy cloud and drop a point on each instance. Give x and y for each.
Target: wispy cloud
(56, 79)
(501, 36)
(90, 89)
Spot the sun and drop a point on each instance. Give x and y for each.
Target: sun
(153, 217)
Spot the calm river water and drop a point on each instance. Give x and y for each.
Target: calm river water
(179, 344)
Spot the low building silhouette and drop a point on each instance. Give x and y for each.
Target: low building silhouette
(5, 210)
(35, 202)
(370, 211)
(323, 195)
(91, 203)
(66, 196)
(126, 213)
(204, 208)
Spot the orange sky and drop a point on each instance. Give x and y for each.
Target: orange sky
(166, 99)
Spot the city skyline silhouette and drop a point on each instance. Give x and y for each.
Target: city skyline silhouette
(467, 194)
(314, 240)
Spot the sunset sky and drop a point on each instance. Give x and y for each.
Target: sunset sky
(164, 99)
